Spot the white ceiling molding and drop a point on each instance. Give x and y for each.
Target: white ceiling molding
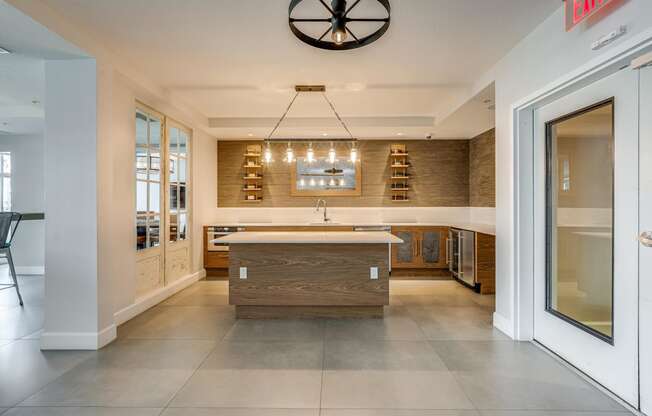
(318, 122)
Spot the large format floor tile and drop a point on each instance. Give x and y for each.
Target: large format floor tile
(281, 355)
(25, 369)
(82, 411)
(397, 412)
(277, 330)
(548, 413)
(203, 293)
(399, 328)
(181, 322)
(282, 389)
(382, 355)
(238, 412)
(392, 390)
(132, 373)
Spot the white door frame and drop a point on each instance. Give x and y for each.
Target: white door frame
(523, 203)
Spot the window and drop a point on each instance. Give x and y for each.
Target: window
(178, 179)
(5, 184)
(580, 177)
(149, 134)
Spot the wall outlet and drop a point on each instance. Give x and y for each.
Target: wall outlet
(373, 273)
(243, 272)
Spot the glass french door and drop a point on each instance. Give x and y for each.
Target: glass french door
(150, 138)
(587, 221)
(163, 189)
(177, 236)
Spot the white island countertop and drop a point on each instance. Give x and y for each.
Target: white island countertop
(309, 237)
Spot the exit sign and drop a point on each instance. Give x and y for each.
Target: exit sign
(579, 10)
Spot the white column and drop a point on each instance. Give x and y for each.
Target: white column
(74, 317)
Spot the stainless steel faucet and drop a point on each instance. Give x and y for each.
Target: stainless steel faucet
(323, 202)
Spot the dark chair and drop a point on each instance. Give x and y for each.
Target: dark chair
(8, 224)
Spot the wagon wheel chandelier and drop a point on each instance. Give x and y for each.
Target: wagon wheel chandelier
(338, 28)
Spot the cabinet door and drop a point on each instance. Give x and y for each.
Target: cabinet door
(430, 247)
(404, 254)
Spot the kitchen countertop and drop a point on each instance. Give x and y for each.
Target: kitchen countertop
(309, 237)
(476, 227)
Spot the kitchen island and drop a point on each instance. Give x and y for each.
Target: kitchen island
(304, 274)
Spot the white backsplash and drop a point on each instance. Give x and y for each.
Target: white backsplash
(380, 215)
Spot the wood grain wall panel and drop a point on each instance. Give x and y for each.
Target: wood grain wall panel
(482, 170)
(440, 170)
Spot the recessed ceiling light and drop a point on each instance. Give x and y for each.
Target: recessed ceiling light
(399, 134)
(324, 134)
(250, 135)
(4, 51)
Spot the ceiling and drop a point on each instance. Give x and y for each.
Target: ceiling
(22, 77)
(236, 62)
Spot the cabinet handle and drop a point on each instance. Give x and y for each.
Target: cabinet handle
(448, 240)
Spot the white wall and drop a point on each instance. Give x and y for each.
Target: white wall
(28, 195)
(547, 54)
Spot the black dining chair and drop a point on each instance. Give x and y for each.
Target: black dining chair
(8, 224)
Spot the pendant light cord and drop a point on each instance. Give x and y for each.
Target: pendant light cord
(287, 110)
(337, 115)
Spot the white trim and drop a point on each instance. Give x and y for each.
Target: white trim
(78, 340)
(503, 324)
(155, 297)
(30, 270)
(522, 289)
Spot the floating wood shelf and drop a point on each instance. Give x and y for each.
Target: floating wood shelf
(399, 165)
(252, 163)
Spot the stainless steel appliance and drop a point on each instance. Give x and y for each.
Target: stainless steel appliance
(216, 232)
(460, 255)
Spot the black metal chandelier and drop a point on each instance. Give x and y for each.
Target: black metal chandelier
(338, 26)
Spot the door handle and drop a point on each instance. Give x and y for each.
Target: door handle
(447, 251)
(646, 238)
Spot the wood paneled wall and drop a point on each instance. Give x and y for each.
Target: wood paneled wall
(482, 170)
(440, 170)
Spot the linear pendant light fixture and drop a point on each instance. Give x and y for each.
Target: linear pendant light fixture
(290, 155)
(338, 23)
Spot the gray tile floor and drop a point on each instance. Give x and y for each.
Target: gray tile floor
(434, 354)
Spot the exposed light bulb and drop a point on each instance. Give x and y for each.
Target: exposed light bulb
(354, 154)
(342, 182)
(332, 156)
(302, 182)
(312, 182)
(268, 154)
(339, 37)
(321, 182)
(310, 155)
(331, 182)
(289, 155)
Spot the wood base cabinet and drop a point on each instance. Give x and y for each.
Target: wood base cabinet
(422, 248)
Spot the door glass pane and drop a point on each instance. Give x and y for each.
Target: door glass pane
(141, 129)
(154, 131)
(174, 230)
(6, 193)
(141, 197)
(141, 232)
(579, 240)
(154, 224)
(182, 197)
(154, 197)
(182, 170)
(183, 223)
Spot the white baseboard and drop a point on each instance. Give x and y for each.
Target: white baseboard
(154, 298)
(78, 340)
(503, 324)
(30, 270)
